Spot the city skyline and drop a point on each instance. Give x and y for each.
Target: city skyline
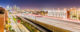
(41, 3)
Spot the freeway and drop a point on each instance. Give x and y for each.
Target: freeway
(74, 27)
(38, 27)
(18, 27)
(23, 29)
(13, 24)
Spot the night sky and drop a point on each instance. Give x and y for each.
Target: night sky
(41, 3)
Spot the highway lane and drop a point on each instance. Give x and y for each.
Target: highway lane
(39, 27)
(13, 24)
(23, 29)
(58, 23)
(17, 26)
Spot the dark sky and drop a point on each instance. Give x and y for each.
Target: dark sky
(41, 3)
